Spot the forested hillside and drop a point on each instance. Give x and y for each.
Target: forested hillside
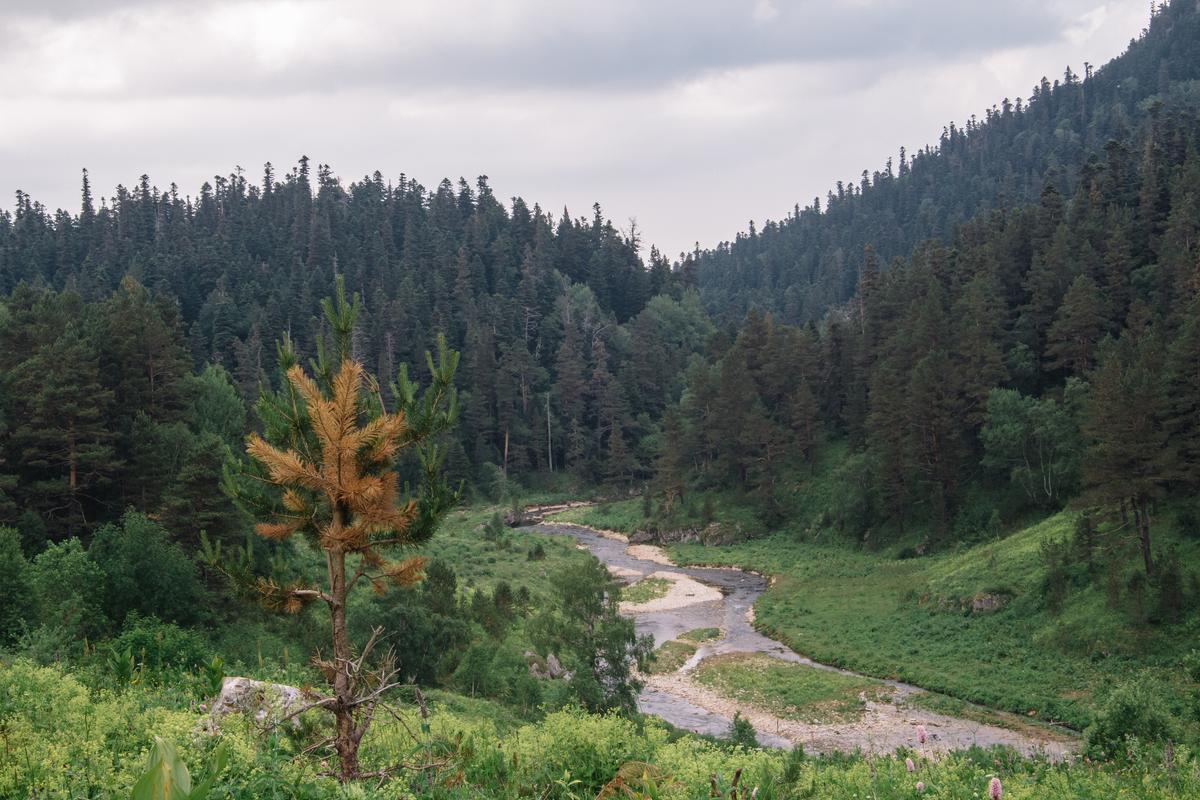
(1045, 351)
(571, 345)
(812, 259)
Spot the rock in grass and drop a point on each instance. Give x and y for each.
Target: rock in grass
(988, 602)
(268, 703)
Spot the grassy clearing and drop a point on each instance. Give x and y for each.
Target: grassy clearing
(791, 691)
(645, 590)
(620, 515)
(701, 634)
(670, 656)
(483, 563)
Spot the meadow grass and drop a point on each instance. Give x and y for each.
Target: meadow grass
(613, 515)
(63, 741)
(789, 690)
(645, 590)
(670, 656)
(701, 634)
(961, 709)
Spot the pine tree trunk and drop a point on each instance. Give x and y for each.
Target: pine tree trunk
(73, 461)
(345, 742)
(505, 452)
(1142, 518)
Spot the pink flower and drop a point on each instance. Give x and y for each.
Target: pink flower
(203, 707)
(995, 790)
(921, 734)
(908, 763)
(920, 787)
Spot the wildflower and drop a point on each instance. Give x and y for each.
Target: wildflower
(921, 734)
(920, 787)
(203, 707)
(908, 763)
(995, 790)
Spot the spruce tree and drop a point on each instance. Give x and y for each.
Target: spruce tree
(1127, 465)
(61, 432)
(1078, 327)
(1181, 413)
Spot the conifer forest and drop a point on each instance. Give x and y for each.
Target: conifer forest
(315, 487)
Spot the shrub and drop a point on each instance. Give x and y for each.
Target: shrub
(741, 732)
(494, 483)
(68, 590)
(71, 743)
(159, 645)
(147, 572)
(1191, 666)
(1131, 711)
(474, 673)
(590, 748)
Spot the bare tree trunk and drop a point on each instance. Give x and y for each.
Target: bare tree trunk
(549, 438)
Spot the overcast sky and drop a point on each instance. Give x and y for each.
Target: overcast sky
(694, 116)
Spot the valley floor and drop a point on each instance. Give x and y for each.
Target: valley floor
(933, 622)
(786, 697)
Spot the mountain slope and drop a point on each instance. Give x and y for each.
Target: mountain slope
(811, 260)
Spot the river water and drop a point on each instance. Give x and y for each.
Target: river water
(885, 726)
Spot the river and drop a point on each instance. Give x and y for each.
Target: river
(884, 726)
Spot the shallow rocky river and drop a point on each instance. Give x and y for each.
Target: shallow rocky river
(678, 699)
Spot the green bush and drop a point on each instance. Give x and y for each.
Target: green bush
(161, 646)
(68, 590)
(741, 732)
(64, 742)
(1131, 711)
(146, 572)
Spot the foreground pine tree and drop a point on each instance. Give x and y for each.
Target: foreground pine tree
(328, 462)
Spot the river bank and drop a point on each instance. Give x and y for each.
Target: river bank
(880, 727)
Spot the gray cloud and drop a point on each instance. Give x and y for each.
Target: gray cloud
(233, 48)
(692, 116)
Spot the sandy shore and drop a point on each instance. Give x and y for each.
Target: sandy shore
(621, 573)
(650, 552)
(683, 592)
(882, 728)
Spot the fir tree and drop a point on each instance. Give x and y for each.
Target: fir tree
(1077, 328)
(61, 433)
(1126, 467)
